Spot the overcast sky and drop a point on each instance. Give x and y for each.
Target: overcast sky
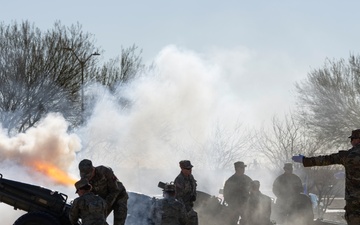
(262, 47)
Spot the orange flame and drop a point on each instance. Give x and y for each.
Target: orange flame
(56, 174)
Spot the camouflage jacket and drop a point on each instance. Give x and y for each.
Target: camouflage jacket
(258, 209)
(90, 208)
(186, 190)
(302, 210)
(350, 159)
(106, 185)
(168, 211)
(286, 186)
(236, 190)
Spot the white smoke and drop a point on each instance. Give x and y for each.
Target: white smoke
(169, 117)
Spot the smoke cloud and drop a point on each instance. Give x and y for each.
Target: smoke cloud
(48, 142)
(165, 116)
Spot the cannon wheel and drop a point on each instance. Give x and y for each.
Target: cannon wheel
(36, 218)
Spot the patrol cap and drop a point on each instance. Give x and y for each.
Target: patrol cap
(355, 134)
(288, 166)
(86, 168)
(81, 183)
(185, 164)
(239, 164)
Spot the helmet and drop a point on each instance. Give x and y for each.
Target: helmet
(169, 187)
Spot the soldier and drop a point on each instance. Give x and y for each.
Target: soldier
(302, 213)
(236, 192)
(285, 187)
(168, 211)
(88, 207)
(350, 159)
(106, 185)
(258, 207)
(185, 185)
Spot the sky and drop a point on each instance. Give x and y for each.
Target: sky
(234, 61)
(263, 46)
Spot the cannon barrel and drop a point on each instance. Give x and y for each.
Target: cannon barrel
(32, 198)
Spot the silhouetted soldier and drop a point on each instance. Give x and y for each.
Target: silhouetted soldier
(236, 192)
(258, 207)
(285, 187)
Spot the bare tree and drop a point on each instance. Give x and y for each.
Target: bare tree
(123, 69)
(322, 182)
(38, 75)
(224, 146)
(286, 138)
(329, 100)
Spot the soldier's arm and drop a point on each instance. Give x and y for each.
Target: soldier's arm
(275, 188)
(113, 188)
(74, 212)
(226, 192)
(194, 193)
(325, 160)
(268, 207)
(179, 189)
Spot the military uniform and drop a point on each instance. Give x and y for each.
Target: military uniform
(106, 185)
(258, 209)
(302, 213)
(236, 193)
(168, 211)
(350, 159)
(186, 192)
(88, 207)
(285, 187)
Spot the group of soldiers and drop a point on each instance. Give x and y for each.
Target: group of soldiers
(100, 193)
(248, 206)
(292, 206)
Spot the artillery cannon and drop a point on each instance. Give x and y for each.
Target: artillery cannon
(43, 206)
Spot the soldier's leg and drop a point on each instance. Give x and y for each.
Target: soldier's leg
(352, 212)
(281, 210)
(192, 218)
(120, 211)
(232, 216)
(353, 219)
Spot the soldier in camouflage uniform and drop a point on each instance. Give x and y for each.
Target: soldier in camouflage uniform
(185, 185)
(258, 207)
(88, 207)
(350, 159)
(285, 187)
(106, 185)
(168, 211)
(236, 193)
